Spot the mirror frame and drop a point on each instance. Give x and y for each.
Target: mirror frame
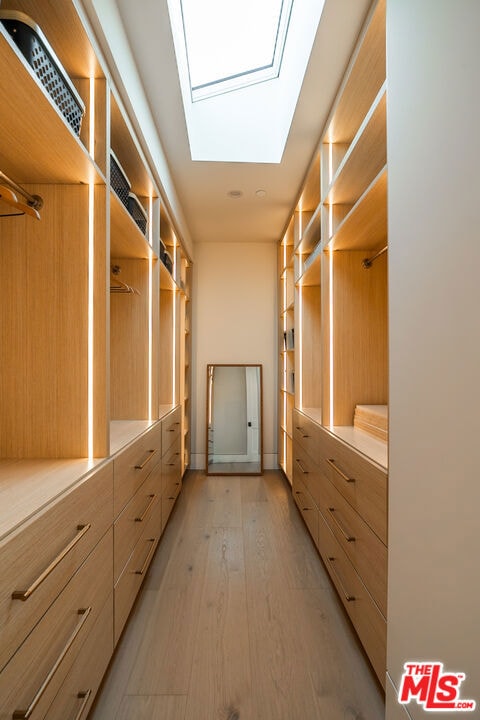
(207, 424)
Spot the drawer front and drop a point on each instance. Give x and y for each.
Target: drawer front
(171, 428)
(78, 691)
(129, 582)
(361, 482)
(39, 560)
(364, 549)
(307, 470)
(34, 675)
(308, 435)
(172, 470)
(134, 517)
(307, 507)
(364, 613)
(131, 467)
(168, 501)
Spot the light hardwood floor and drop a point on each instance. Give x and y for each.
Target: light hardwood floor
(237, 619)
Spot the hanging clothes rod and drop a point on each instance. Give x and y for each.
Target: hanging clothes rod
(9, 191)
(368, 262)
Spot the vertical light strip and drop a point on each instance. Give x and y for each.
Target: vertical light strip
(331, 333)
(300, 347)
(150, 313)
(330, 162)
(174, 344)
(91, 279)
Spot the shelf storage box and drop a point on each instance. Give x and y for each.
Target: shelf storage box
(119, 181)
(137, 211)
(36, 49)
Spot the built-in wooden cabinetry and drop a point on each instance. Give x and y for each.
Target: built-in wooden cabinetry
(94, 375)
(333, 299)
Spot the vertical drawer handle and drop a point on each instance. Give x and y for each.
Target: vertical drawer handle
(348, 536)
(347, 596)
(25, 714)
(83, 695)
(25, 594)
(150, 455)
(305, 472)
(147, 559)
(332, 464)
(142, 517)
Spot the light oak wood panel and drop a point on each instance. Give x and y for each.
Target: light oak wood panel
(364, 613)
(132, 466)
(44, 353)
(365, 158)
(78, 691)
(63, 628)
(166, 358)
(126, 238)
(77, 521)
(64, 31)
(310, 196)
(129, 327)
(365, 551)
(360, 335)
(306, 505)
(363, 79)
(311, 351)
(64, 159)
(171, 429)
(101, 94)
(361, 482)
(129, 525)
(101, 371)
(365, 226)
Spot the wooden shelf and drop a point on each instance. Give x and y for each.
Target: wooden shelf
(126, 238)
(311, 235)
(311, 273)
(365, 226)
(365, 158)
(364, 77)
(129, 153)
(49, 151)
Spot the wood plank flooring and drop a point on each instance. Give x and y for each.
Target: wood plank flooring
(237, 619)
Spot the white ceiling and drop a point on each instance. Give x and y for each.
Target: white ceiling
(202, 186)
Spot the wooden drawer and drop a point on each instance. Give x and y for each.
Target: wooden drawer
(172, 470)
(307, 471)
(40, 558)
(307, 507)
(131, 467)
(168, 501)
(361, 482)
(129, 582)
(171, 428)
(78, 691)
(134, 517)
(364, 613)
(364, 549)
(36, 672)
(308, 435)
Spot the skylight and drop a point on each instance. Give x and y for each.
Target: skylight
(245, 60)
(230, 45)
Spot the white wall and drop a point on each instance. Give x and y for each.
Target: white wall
(234, 321)
(433, 116)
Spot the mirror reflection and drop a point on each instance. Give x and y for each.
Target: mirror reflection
(234, 420)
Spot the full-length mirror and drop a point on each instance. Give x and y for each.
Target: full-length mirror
(234, 420)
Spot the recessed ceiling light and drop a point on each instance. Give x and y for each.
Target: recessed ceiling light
(260, 193)
(235, 194)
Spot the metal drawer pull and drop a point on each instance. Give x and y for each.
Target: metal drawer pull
(305, 472)
(348, 536)
(142, 517)
(331, 462)
(301, 430)
(25, 594)
(25, 714)
(147, 559)
(347, 596)
(83, 695)
(151, 453)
